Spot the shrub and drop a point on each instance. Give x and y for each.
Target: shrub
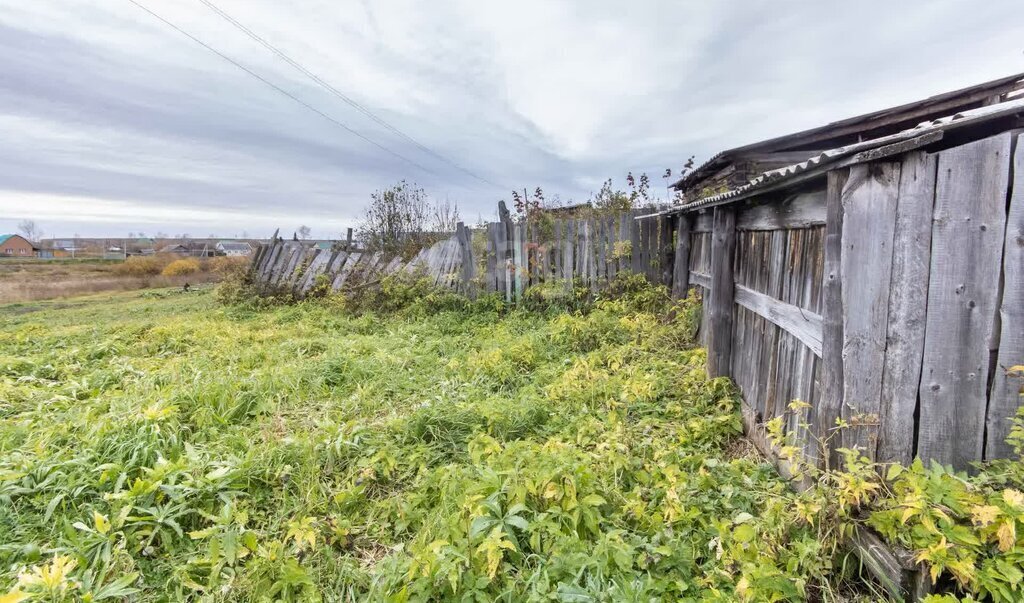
(181, 267)
(138, 265)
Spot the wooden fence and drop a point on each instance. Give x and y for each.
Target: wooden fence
(885, 293)
(507, 256)
(888, 294)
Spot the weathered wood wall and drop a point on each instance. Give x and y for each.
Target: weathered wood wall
(890, 296)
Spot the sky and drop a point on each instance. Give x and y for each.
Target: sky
(111, 121)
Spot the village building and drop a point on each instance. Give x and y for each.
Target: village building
(233, 248)
(12, 245)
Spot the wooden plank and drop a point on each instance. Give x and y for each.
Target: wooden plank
(517, 261)
(1005, 397)
(908, 302)
(703, 221)
(666, 249)
(623, 236)
(556, 249)
(491, 278)
(501, 261)
(699, 279)
(824, 415)
(802, 324)
(869, 224)
(681, 262)
(599, 241)
(635, 246)
(569, 250)
(967, 246)
(723, 243)
(797, 211)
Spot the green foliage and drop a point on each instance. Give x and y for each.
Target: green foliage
(170, 448)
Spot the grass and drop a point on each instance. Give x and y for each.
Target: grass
(160, 446)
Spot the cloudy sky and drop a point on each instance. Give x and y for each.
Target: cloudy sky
(111, 121)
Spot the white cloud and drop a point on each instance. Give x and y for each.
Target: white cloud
(100, 101)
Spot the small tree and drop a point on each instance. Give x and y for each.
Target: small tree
(401, 220)
(30, 230)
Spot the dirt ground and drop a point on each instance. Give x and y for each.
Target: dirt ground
(30, 280)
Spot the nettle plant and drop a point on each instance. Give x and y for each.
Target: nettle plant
(965, 529)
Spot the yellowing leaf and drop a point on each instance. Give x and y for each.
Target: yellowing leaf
(15, 596)
(101, 522)
(1007, 534)
(1014, 498)
(984, 515)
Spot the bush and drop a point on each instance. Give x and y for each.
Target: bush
(181, 267)
(137, 265)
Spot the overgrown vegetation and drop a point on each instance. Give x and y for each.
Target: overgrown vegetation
(402, 219)
(400, 443)
(172, 448)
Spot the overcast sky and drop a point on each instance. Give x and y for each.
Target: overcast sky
(111, 121)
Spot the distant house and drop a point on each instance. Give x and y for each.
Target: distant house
(232, 248)
(12, 245)
(177, 248)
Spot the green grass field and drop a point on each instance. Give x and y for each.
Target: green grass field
(160, 446)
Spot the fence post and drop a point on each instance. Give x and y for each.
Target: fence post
(723, 243)
(348, 240)
(465, 243)
(666, 249)
(681, 263)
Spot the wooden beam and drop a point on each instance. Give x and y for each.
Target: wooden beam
(798, 322)
(797, 211)
(723, 244)
(681, 263)
(824, 414)
(700, 279)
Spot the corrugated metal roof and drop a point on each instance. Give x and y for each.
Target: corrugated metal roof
(969, 95)
(4, 237)
(771, 177)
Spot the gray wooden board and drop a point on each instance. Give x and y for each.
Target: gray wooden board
(700, 279)
(556, 248)
(723, 243)
(636, 251)
(681, 262)
(611, 235)
(802, 324)
(908, 301)
(1006, 392)
(798, 211)
(702, 221)
(490, 282)
(827, 411)
(869, 223)
(967, 245)
(501, 261)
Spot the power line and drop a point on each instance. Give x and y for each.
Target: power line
(341, 95)
(279, 89)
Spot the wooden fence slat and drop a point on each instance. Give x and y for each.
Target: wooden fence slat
(569, 260)
(823, 416)
(723, 243)
(1006, 392)
(869, 223)
(681, 263)
(636, 250)
(967, 245)
(908, 301)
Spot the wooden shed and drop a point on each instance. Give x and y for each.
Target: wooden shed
(882, 282)
(730, 169)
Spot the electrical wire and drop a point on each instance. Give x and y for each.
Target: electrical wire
(341, 95)
(281, 90)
